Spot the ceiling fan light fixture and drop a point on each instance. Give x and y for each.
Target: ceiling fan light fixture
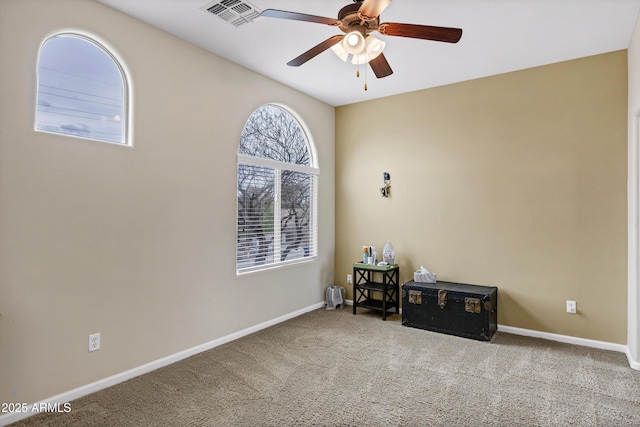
(338, 49)
(372, 49)
(353, 42)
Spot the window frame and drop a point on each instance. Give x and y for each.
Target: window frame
(278, 166)
(126, 117)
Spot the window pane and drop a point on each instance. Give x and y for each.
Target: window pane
(276, 192)
(273, 133)
(295, 215)
(255, 216)
(81, 90)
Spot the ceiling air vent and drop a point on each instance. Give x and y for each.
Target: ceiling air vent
(235, 12)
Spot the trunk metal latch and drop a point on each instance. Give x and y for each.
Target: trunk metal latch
(415, 297)
(442, 298)
(472, 305)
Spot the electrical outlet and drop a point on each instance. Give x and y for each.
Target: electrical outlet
(349, 279)
(571, 306)
(94, 342)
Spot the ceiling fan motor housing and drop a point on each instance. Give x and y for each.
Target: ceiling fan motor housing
(349, 18)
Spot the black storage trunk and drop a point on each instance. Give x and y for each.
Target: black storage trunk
(469, 311)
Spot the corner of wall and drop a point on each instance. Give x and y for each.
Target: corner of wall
(633, 189)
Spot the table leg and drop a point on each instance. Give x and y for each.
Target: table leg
(397, 292)
(354, 279)
(384, 296)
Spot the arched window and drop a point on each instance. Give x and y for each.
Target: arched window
(276, 192)
(82, 90)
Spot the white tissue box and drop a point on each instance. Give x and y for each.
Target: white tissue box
(419, 276)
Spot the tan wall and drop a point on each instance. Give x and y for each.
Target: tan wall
(135, 243)
(516, 180)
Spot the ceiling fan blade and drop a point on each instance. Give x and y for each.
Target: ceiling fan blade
(380, 66)
(283, 14)
(315, 51)
(425, 32)
(373, 8)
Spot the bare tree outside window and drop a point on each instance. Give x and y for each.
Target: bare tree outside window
(273, 133)
(275, 203)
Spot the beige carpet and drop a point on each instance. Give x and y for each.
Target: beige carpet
(331, 368)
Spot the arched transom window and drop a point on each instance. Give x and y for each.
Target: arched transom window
(82, 90)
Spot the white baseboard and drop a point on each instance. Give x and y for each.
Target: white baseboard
(635, 364)
(85, 390)
(564, 338)
(350, 302)
(621, 348)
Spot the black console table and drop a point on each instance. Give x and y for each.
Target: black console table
(364, 284)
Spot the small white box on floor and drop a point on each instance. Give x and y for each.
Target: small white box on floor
(335, 297)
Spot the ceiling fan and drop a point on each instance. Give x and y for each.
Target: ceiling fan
(357, 21)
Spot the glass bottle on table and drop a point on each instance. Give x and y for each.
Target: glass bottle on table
(388, 253)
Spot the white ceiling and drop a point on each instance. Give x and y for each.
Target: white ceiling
(498, 36)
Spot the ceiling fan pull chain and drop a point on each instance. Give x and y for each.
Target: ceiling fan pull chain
(365, 71)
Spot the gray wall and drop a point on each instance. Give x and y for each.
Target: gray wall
(137, 243)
